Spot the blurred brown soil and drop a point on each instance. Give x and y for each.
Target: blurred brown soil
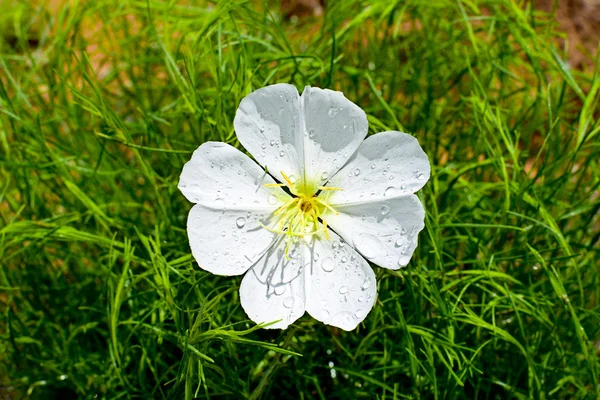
(580, 20)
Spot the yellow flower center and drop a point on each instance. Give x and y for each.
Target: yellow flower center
(299, 216)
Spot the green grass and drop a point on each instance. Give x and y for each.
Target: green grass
(101, 104)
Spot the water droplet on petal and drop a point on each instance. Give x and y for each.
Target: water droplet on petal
(343, 290)
(344, 259)
(279, 290)
(240, 222)
(272, 142)
(343, 319)
(272, 199)
(223, 233)
(365, 285)
(219, 203)
(356, 172)
(328, 264)
(324, 175)
(263, 146)
(399, 242)
(281, 153)
(316, 257)
(311, 133)
(373, 166)
(367, 244)
(385, 209)
(391, 192)
(288, 302)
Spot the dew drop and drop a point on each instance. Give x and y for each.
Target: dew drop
(385, 209)
(311, 133)
(421, 176)
(344, 259)
(328, 264)
(223, 233)
(219, 203)
(365, 285)
(324, 175)
(343, 319)
(343, 290)
(402, 262)
(399, 242)
(240, 222)
(281, 153)
(279, 290)
(391, 191)
(372, 166)
(272, 199)
(356, 172)
(263, 146)
(316, 257)
(288, 302)
(272, 142)
(215, 254)
(361, 299)
(367, 244)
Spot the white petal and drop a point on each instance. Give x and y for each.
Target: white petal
(340, 284)
(386, 165)
(221, 177)
(334, 128)
(384, 231)
(268, 125)
(267, 292)
(308, 138)
(227, 242)
(276, 268)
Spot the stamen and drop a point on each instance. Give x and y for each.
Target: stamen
(325, 230)
(289, 182)
(301, 215)
(323, 203)
(328, 188)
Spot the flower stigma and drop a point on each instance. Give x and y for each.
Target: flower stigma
(299, 216)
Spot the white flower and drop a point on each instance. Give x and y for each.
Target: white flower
(345, 200)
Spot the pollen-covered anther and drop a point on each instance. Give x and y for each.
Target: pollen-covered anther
(300, 216)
